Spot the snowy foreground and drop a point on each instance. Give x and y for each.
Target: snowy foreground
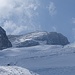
(14, 70)
(42, 59)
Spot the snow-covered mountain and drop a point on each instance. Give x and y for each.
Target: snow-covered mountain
(14, 70)
(38, 38)
(41, 52)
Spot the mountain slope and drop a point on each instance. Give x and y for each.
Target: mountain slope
(42, 59)
(57, 71)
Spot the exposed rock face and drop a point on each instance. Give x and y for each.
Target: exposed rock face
(4, 42)
(37, 38)
(55, 38)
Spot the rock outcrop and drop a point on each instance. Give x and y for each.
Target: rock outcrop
(55, 38)
(4, 42)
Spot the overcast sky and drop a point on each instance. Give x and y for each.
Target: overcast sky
(23, 16)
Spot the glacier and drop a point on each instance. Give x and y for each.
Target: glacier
(41, 59)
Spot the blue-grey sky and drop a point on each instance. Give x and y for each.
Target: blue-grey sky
(23, 16)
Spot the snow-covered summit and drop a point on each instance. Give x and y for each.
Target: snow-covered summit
(37, 38)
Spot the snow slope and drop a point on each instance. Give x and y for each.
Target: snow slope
(57, 71)
(14, 70)
(22, 38)
(42, 59)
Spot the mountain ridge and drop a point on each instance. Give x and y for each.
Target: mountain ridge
(37, 38)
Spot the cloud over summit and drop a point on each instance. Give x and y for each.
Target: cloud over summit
(17, 16)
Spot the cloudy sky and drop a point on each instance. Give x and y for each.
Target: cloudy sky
(23, 16)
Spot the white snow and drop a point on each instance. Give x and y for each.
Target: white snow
(29, 36)
(71, 45)
(14, 70)
(42, 59)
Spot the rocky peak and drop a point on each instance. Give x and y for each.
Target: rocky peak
(4, 42)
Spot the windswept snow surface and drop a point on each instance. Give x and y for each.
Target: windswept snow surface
(14, 70)
(42, 59)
